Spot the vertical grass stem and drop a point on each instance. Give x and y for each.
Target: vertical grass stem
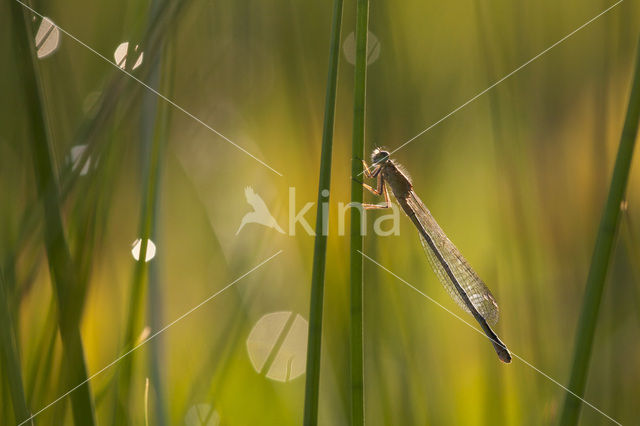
(314, 344)
(601, 256)
(356, 324)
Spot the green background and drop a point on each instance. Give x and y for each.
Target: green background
(517, 179)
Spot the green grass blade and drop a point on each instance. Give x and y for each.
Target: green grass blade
(62, 269)
(9, 357)
(601, 256)
(357, 147)
(104, 112)
(40, 367)
(154, 295)
(312, 385)
(153, 136)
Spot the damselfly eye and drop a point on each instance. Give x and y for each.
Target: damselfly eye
(379, 156)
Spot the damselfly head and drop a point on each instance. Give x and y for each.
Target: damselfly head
(379, 156)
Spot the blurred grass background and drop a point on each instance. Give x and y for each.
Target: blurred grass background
(517, 179)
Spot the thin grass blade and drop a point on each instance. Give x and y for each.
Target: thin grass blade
(314, 343)
(357, 147)
(601, 256)
(61, 267)
(9, 357)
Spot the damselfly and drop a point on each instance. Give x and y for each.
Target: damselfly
(453, 271)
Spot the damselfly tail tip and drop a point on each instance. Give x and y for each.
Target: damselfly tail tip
(503, 354)
(501, 349)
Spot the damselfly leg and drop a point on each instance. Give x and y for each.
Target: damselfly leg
(371, 172)
(381, 188)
